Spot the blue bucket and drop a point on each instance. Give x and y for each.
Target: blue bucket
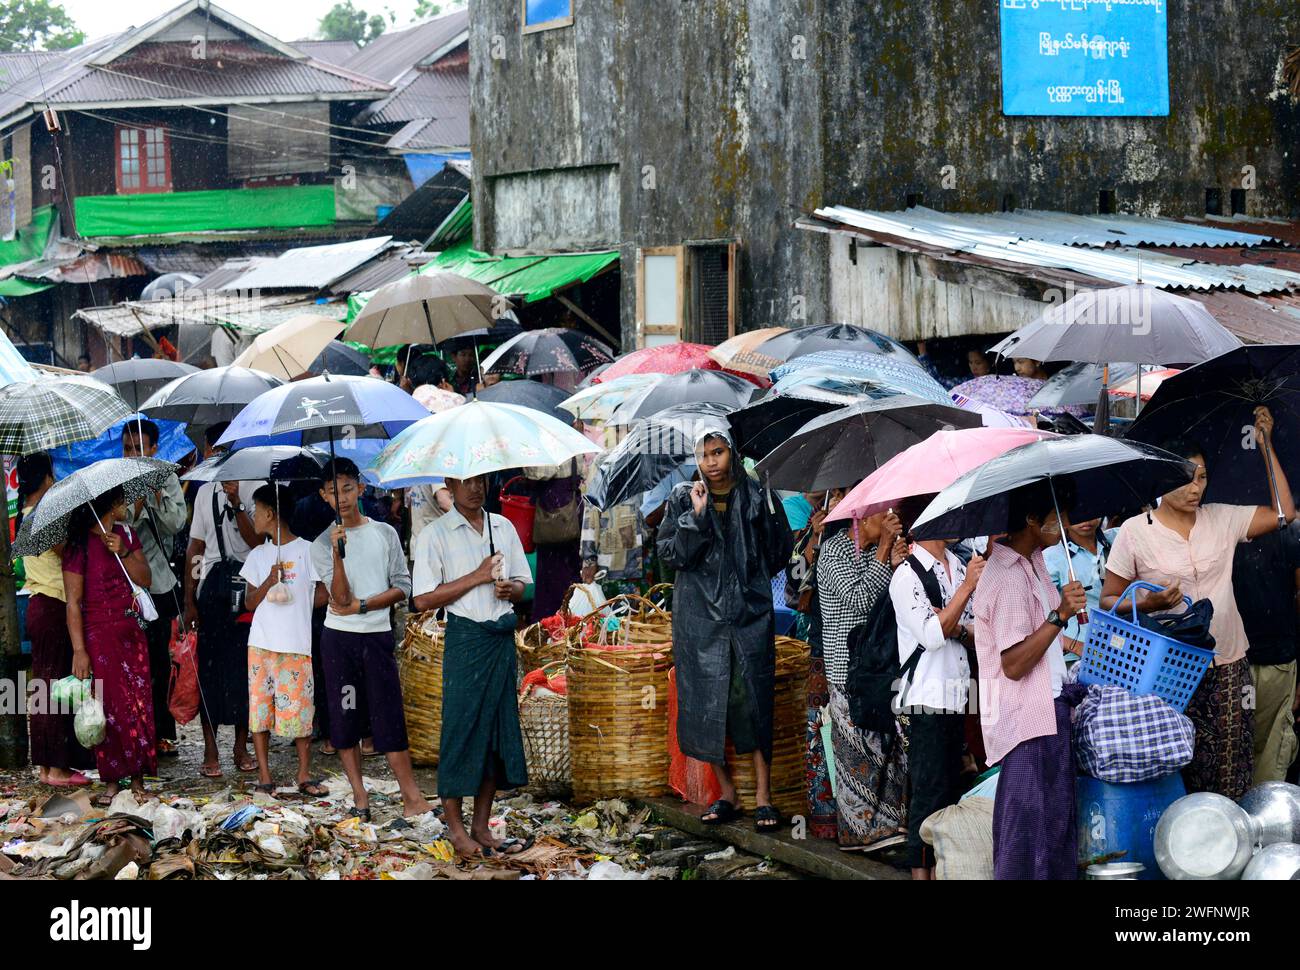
(1122, 818)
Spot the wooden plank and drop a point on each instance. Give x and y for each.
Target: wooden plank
(582, 315)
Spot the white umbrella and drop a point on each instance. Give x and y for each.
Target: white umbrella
(288, 350)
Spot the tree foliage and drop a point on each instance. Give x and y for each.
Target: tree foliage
(426, 9)
(27, 25)
(347, 22)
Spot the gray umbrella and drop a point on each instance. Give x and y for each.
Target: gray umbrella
(845, 446)
(693, 386)
(208, 397)
(40, 415)
(136, 379)
(47, 526)
(1078, 384)
(1138, 324)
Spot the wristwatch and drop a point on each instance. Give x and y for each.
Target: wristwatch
(241, 507)
(363, 607)
(1054, 618)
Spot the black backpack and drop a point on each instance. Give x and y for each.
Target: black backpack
(874, 673)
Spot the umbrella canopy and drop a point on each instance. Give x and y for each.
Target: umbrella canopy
(1136, 324)
(271, 463)
(479, 438)
(760, 427)
(837, 337)
(1151, 381)
(664, 359)
(1107, 475)
(503, 329)
(324, 409)
(435, 399)
(991, 417)
(139, 377)
(843, 447)
(40, 415)
(653, 449)
(1005, 392)
(208, 396)
(591, 378)
(1212, 405)
(688, 387)
(339, 358)
(596, 404)
(1079, 384)
(929, 466)
(288, 350)
(47, 526)
(173, 445)
(426, 308)
(555, 350)
(738, 354)
(897, 371)
(545, 398)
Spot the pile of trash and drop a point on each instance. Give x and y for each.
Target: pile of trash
(233, 834)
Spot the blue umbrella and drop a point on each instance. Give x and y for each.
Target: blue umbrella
(892, 370)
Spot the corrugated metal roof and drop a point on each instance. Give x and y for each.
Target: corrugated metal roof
(391, 54)
(1257, 320)
(421, 213)
(249, 313)
(429, 134)
(16, 65)
(336, 52)
(951, 233)
(310, 267)
(424, 94)
(376, 273)
(228, 272)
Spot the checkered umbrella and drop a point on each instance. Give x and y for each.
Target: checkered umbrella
(40, 415)
(47, 526)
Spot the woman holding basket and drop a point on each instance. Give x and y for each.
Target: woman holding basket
(1187, 548)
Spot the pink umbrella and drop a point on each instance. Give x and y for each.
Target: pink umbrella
(435, 399)
(1151, 380)
(930, 466)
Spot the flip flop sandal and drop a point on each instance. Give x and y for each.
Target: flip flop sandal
(166, 749)
(247, 767)
(766, 818)
(77, 780)
(102, 800)
(507, 847)
(361, 813)
(210, 771)
(267, 789)
(722, 811)
(321, 791)
(328, 750)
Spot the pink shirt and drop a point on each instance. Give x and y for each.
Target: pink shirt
(1012, 600)
(1201, 564)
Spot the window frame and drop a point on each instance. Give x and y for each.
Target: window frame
(142, 173)
(644, 329)
(527, 28)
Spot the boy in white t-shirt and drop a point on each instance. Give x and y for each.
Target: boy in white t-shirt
(281, 593)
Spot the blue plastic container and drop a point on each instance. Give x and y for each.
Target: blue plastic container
(1122, 818)
(784, 616)
(1126, 654)
(26, 645)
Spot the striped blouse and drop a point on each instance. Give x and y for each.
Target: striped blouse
(849, 584)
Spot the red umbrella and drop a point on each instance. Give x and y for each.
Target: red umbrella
(667, 359)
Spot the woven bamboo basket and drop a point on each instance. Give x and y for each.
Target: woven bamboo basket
(544, 722)
(649, 622)
(419, 665)
(618, 707)
(535, 648)
(789, 738)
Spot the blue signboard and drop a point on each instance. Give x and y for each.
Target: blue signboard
(1085, 57)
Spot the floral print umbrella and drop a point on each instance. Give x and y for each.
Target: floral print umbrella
(554, 350)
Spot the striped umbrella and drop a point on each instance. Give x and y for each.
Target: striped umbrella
(40, 415)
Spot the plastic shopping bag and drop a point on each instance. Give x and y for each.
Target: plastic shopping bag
(89, 723)
(183, 687)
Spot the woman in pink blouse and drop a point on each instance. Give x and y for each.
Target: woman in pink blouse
(1188, 548)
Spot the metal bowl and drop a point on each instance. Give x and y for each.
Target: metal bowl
(1204, 836)
(1281, 860)
(1276, 806)
(1115, 870)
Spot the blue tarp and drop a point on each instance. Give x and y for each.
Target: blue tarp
(424, 166)
(172, 446)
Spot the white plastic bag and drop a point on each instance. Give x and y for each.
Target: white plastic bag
(144, 604)
(89, 723)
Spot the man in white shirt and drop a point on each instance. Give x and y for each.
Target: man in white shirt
(931, 593)
(472, 563)
(221, 535)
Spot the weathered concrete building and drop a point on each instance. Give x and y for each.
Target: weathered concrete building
(691, 136)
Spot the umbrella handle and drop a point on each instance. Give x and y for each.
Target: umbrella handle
(1272, 484)
(338, 518)
(1065, 547)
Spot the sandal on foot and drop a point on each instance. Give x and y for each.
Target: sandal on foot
(514, 846)
(267, 789)
(167, 749)
(312, 788)
(722, 811)
(210, 771)
(766, 818)
(102, 800)
(247, 765)
(361, 813)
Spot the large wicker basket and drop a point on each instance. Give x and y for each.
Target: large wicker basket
(544, 722)
(419, 665)
(789, 735)
(535, 648)
(618, 706)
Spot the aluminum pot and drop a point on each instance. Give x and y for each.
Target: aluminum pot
(1281, 860)
(1205, 836)
(1276, 806)
(1115, 870)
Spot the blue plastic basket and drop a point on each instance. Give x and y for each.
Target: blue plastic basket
(1126, 654)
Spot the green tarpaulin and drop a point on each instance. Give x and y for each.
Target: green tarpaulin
(29, 243)
(216, 209)
(19, 287)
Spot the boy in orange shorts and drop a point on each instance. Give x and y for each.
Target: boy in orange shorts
(281, 590)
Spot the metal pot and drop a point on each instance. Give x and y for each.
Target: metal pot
(1281, 860)
(1276, 806)
(1205, 836)
(1115, 870)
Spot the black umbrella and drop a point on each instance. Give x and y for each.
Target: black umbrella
(1105, 475)
(339, 358)
(506, 326)
(842, 336)
(530, 394)
(138, 378)
(1212, 405)
(208, 397)
(653, 449)
(761, 426)
(845, 446)
(693, 386)
(555, 350)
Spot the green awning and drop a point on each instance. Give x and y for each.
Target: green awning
(280, 207)
(30, 240)
(19, 287)
(456, 227)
